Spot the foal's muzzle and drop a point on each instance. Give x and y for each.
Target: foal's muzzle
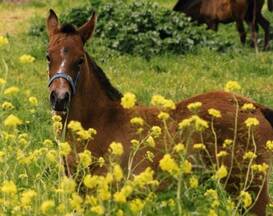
(60, 100)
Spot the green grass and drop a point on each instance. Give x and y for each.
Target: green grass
(176, 77)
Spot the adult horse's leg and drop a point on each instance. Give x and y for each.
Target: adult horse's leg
(266, 26)
(241, 30)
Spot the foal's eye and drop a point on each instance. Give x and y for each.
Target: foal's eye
(80, 61)
(48, 58)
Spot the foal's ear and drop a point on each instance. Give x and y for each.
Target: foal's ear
(86, 30)
(52, 23)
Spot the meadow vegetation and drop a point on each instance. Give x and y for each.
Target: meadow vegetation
(32, 180)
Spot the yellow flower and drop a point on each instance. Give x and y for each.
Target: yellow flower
(27, 196)
(128, 100)
(7, 106)
(222, 154)
(260, 168)
(149, 156)
(117, 172)
(74, 126)
(252, 122)
(163, 116)
(65, 148)
(215, 113)
(91, 181)
(26, 59)
(99, 210)
(85, 158)
(248, 107)
(11, 90)
(76, 201)
(193, 107)
(212, 212)
(101, 161)
(198, 123)
(2, 81)
(120, 197)
(12, 121)
(249, 155)
(212, 194)
(136, 205)
(269, 145)
(193, 182)
(137, 121)
(155, 131)
(9, 187)
(232, 86)
(199, 146)
(246, 198)
(47, 206)
(144, 178)
(86, 134)
(116, 148)
(120, 213)
(221, 172)
(33, 101)
(3, 41)
(68, 185)
(158, 100)
(48, 143)
(150, 141)
(56, 118)
(186, 167)
(179, 148)
(51, 156)
(227, 143)
(2, 154)
(168, 164)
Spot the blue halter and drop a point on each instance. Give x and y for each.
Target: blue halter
(68, 78)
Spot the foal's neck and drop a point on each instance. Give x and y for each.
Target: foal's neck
(95, 96)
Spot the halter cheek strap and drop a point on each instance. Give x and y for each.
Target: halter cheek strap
(68, 78)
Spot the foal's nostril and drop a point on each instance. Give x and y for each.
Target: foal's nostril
(59, 101)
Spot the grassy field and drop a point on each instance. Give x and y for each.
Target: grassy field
(174, 76)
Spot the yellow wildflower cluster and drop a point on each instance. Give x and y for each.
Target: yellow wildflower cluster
(128, 100)
(163, 116)
(33, 101)
(269, 145)
(186, 167)
(246, 198)
(232, 86)
(80, 132)
(179, 148)
(215, 113)
(7, 106)
(11, 90)
(116, 148)
(156, 131)
(26, 59)
(158, 100)
(193, 182)
(12, 121)
(168, 164)
(251, 122)
(248, 107)
(221, 172)
(193, 107)
(85, 158)
(198, 123)
(2, 81)
(138, 121)
(3, 41)
(249, 155)
(260, 168)
(227, 143)
(199, 146)
(9, 187)
(222, 154)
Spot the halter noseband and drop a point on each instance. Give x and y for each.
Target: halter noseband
(68, 78)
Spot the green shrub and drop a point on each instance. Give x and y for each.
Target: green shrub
(143, 28)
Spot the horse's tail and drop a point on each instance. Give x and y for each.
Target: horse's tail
(268, 114)
(270, 5)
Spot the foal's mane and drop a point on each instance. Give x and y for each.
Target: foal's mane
(109, 89)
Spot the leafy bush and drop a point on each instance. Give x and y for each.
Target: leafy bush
(143, 28)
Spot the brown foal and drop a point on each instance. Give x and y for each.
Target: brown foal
(78, 84)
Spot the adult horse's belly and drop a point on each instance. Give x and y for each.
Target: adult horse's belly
(218, 10)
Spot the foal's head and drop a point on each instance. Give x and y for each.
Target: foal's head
(66, 58)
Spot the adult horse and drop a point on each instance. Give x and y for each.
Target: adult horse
(213, 12)
(78, 84)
